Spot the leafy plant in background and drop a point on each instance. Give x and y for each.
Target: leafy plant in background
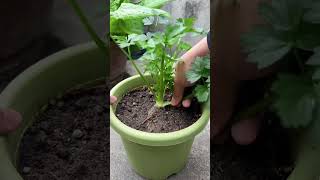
(95, 37)
(200, 74)
(290, 38)
(163, 49)
(127, 17)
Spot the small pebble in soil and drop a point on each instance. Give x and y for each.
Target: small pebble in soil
(26, 170)
(77, 134)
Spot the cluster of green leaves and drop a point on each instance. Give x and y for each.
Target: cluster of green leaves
(291, 30)
(163, 49)
(200, 74)
(126, 16)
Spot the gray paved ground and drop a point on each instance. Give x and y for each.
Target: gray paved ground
(198, 167)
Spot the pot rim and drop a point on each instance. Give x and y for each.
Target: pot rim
(155, 139)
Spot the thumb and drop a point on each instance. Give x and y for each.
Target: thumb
(113, 99)
(9, 120)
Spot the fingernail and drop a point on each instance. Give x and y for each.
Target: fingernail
(186, 103)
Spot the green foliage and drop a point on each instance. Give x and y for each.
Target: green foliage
(154, 3)
(128, 11)
(296, 100)
(291, 37)
(163, 49)
(127, 18)
(115, 4)
(200, 73)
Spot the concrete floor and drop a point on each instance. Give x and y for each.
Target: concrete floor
(198, 166)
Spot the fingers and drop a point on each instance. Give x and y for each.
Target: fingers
(179, 84)
(113, 99)
(245, 132)
(10, 120)
(186, 103)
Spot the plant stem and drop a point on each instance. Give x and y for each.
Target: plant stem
(136, 68)
(177, 52)
(160, 94)
(100, 43)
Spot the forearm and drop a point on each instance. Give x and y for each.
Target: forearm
(199, 50)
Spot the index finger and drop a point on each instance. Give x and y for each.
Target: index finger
(179, 84)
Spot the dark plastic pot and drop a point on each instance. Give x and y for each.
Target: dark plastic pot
(33, 89)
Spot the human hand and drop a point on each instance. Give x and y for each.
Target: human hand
(9, 121)
(180, 82)
(230, 70)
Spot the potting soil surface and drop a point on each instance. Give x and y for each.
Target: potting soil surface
(137, 110)
(70, 139)
(266, 159)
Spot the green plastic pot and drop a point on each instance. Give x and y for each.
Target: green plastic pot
(155, 155)
(32, 90)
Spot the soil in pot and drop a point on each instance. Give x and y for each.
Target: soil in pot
(70, 139)
(267, 159)
(137, 110)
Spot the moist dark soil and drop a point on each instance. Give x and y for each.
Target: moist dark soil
(137, 110)
(70, 139)
(268, 158)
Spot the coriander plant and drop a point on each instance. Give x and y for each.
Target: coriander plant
(290, 40)
(200, 74)
(163, 49)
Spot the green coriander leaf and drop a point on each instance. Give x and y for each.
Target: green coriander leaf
(313, 15)
(264, 46)
(163, 20)
(308, 37)
(137, 37)
(295, 101)
(115, 4)
(148, 20)
(202, 93)
(282, 14)
(184, 46)
(316, 75)
(154, 3)
(268, 58)
(315, 59)
(193, 76)
(200, 68)
(128, 11)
